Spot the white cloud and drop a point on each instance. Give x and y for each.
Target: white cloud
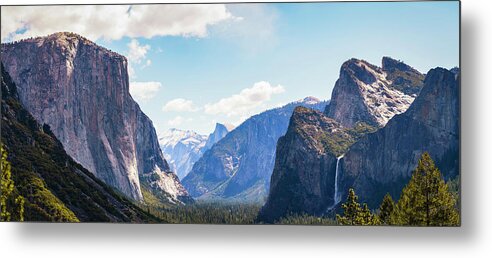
(137, 52)
(246, 101)
(180, 105)
(144, 90)
(176, 121)
(112, 22)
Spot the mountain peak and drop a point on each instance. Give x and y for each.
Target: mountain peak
(227, 126)
(310, 100)
(367, 93)
(65, 35)
(62, 38)
(389, 64)
(68, 42)
(361, 70)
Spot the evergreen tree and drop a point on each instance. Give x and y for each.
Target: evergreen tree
(351, 209)
(7, 198)
(426, 201)
(7, 186)
(354, 214)
(365, 217)
(386, 209)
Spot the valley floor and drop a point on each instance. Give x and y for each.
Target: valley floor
(225, 213)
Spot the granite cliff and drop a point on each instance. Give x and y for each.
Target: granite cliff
(383, 161)
(371, 94)
(54, 186)
(81, 91)
(356, 145)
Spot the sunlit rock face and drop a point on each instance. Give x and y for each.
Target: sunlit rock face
(365, 92)
(382, 162)
(82, 91)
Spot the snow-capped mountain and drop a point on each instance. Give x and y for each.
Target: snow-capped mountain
(182, 148)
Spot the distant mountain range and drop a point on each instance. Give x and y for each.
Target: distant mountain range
(182, 148)
(239, 166)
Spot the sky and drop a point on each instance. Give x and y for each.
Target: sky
(191, 66)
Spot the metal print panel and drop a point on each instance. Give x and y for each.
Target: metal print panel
(326, 113)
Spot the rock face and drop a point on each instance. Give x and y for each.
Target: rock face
(54, 186)
(238, 167)
(365, 92)
(373, 163)
(220, 131)
(299, 182)
(383, 161)
(81, 91)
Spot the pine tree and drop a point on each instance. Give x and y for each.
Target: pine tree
(351, 209)
(386, 209)
(7, 186)
(354, 214)
(426, 201)
(365, 217)
(6, 193)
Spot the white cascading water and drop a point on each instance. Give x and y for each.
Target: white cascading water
(336, 196)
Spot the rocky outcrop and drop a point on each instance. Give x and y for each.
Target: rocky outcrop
(373, 163)
(238, 167)
(402, 76)
(367, 93)
(81, 91)
(54, 186)
(383, 161)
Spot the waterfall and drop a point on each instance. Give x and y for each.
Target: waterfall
(336, 196)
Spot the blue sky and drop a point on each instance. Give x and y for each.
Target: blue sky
(261, 56)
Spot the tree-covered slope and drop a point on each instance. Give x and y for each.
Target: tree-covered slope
(54, 186)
